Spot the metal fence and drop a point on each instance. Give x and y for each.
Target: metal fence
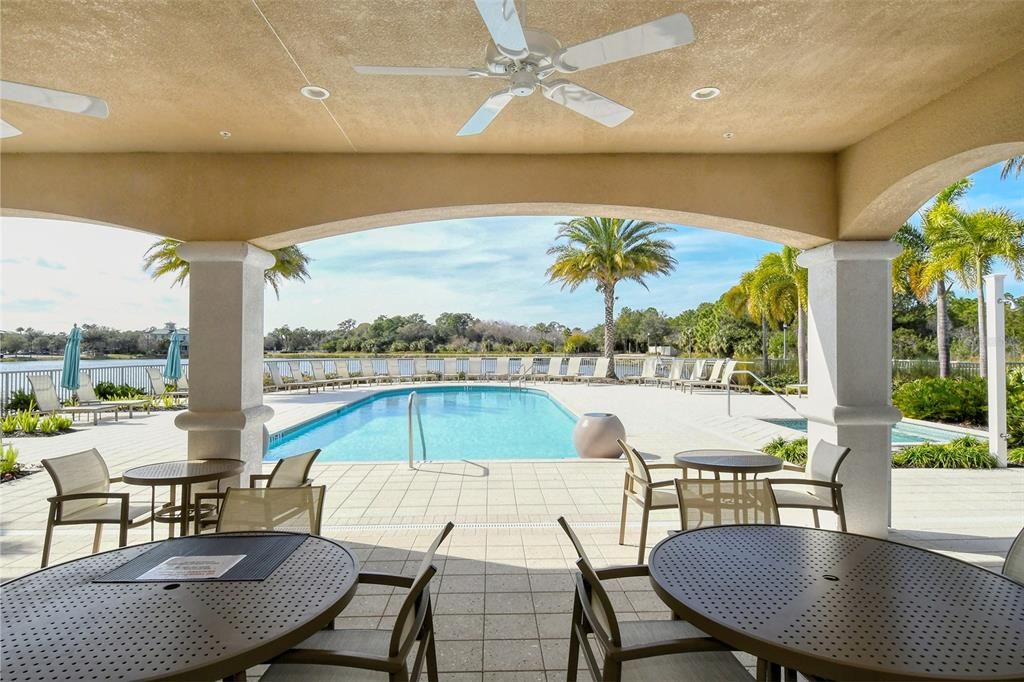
(905, 369)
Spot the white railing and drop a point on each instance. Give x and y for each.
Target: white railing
(414, 404)
(728, 392)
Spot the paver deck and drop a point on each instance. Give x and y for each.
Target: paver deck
(505, 573)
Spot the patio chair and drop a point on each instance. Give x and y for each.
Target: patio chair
(1013, 567)
(394, 371)
(450, 369)
(526, 369)
(572, 371)
(475, 368)
(367, 371)
(320, 374)
(641, 650)
(289, 472)
(714, 377)
(420, 371)
(819, 488)
(639, 487)
(696, 374)
(501, 371)
(675, 373)
(82, 481)
(299, 377)
(705, 502)
(598, 373)
(649, 371)
(281, 385)
(87, 396)
(159, 385)
(47, 402)
(296, 510)
(349, 654)
(181, 385)
(554, 369)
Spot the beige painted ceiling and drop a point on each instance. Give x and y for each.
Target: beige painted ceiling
(812, 76)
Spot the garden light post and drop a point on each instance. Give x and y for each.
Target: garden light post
(996, 342)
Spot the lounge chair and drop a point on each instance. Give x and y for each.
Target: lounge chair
(181, 385)
(394, 371)
(47, 401)
(451, 369)
(675, 373)
(724, 382)
(299, 377)
(320, 375)
(554, 368)
(367, 372)
(696, 373)
(346, 378)
(572, 372)
(281, 385)
(420, 371)
(159, 385)
(87, 396)
(475, 370)
(82, 481)
(525, 369)
(357, 654)
(600, 373)
(648, 372)
(501, 371)
(713, 377)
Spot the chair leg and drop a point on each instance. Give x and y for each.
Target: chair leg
(431, 658)
(643, 534)
(122, 537)
(97, 538)
(48, 537)
(622, 520)
(817, 522)
(574, 643)
(399, 676)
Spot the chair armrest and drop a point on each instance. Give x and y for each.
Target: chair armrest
(386, 579)
(804, 481)
(116, 479)
(662, 484)
(89, 496)
(201, 497)
(612, 572)
(663, 466)
(257, 477)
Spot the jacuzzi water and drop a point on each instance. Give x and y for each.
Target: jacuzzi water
(459, 422)
(904, 433)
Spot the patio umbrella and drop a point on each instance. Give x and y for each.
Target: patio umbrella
(69, 374)
(172, 369)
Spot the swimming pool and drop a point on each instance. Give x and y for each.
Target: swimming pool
(903, 433)
(459, 422)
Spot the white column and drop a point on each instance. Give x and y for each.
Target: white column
(995, 327)
(226, 411)
(849, 367)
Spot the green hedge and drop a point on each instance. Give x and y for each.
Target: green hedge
(960, 400)
(794, 451)
(963, 453)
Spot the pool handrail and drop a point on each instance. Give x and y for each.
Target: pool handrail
(728, 392)
(414, 402)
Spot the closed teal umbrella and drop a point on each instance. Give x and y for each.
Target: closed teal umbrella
(69, 375)
(172, 369)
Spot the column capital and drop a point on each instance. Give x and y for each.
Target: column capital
(226, 252)
(842, 250)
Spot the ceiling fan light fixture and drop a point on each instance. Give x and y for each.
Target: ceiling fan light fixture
(705, 93)
(225, 134)
(315, 92)
(729, 136)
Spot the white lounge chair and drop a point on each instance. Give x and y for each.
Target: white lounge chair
(526, 369)
(648, 372)
(420, 371)
(366, 371)
(320, 375)
(451, 369)
(675, 373)
(572, 372)
(696, 373)
(475, 370)
(713, 376)
(394, 371)
(47, 401)
(281, 385)
(159, 385)
(87, 396)
(501, 371)
(724, 381)
(599, 374)
(299, 377)
(554, 368)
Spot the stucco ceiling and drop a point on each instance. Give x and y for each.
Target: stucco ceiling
(811, 76)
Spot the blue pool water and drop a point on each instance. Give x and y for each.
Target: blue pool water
(903, 433)
(459, 422)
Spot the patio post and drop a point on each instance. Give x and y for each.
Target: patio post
(850, 370)
(995, 323)
(226, 411)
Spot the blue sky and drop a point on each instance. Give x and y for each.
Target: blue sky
(53, 273)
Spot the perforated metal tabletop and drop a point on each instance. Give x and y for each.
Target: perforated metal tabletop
(844, 606)
(58, 624)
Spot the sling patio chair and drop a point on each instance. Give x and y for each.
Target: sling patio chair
(159, 385)
(705, 502)
(649, 372)
(525, 371)
(572, 370)
(320, 374)
(475, 368)
(675, 373)
(501, 371)
(296, 510)
(367, 372)
(639, 487)
(713, 378)
(554, 369)
(47, 402)
(82, 481)
(1013, 566)
(299, 377)
(450, 370)
(355, 654)
(394, 371)
(819, 489)
(289, 472)
(420, 371)
(647, 650)
(696, 374)
(599, 373)
(87, 396)
(281, 385)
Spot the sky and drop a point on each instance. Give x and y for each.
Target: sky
(56, 273)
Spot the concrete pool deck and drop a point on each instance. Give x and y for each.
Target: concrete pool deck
(505, 573)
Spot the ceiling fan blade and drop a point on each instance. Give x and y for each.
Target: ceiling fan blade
(417, 71)
(487, 112)
(53, 99)
(504, 25)
(655, 36)
(587, 102)
(7, 130)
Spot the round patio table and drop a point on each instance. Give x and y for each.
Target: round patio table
(843, 606)
(184, 473)
(59, 623)
(739, 463)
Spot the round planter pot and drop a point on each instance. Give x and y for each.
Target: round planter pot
(595, 435)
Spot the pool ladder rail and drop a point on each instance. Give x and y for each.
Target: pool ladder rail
(414, 404)
(728, 392)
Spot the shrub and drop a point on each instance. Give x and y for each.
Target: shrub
(8, 460)
(794, 451)
(106, 390)
(54, 423)
(20, 400)
(963, 453)
(1015, 456)
(777, 381)
(959, 400)
(9, 424)
(27, 422)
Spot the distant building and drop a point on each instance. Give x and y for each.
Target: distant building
(165, 333)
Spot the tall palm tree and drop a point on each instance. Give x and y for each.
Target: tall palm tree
(968, 244)
(1015, 165)
(606, 251)
(917, 272)
(783, 286)
(161, 258)
(747, 298)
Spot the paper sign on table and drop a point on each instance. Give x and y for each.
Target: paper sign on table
(192, 567)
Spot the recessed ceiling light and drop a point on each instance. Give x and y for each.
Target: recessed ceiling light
(225, 134)
(705, 93)
(728, 136)
(315, 92)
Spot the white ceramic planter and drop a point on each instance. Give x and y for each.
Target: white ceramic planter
(595, 435)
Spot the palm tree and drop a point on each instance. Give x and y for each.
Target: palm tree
(783, 286)
(161, 259)
(606, 251)
(746, 298)
(968, 244)
(1015, 165)
(917, 272)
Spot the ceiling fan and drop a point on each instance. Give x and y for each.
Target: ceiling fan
(526, 59)
(49, 99)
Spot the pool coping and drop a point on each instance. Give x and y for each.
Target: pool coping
(955, 428)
